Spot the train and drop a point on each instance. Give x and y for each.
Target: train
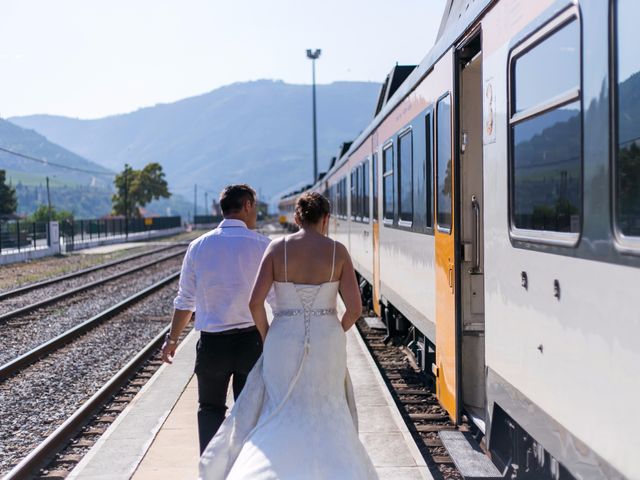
(492, 212)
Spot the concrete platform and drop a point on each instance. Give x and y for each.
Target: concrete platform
(156, 436)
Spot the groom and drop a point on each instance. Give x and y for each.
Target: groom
(217, 276)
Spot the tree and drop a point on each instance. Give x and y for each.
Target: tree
(8, 200)
(136, 188)
(42, 215)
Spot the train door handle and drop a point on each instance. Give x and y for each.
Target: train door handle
(475, 258)
(451, 277)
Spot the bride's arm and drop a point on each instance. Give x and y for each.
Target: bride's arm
(261, 288)
(350, 292)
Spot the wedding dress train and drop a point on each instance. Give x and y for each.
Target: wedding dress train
(295, 418)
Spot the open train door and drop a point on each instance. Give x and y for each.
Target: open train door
(459, 232)
(469, 171)
(447, 355)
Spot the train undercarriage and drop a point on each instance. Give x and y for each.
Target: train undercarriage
(512, 449)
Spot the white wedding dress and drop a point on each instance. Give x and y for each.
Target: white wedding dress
(295, 418)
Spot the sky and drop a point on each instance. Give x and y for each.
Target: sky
(93, 58)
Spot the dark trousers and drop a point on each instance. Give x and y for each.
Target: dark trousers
(220, 356)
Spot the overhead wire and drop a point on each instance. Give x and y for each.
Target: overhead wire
(54, 164)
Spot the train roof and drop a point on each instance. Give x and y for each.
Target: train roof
(457, 16)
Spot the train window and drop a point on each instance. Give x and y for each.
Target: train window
(405, 177)
(427, 171)
(444, 164)
(387, 186)
(546, 140)
(558, 53)
(343, 197)
(627, 168)
(359, 196)
(365, 191)
(359, 193)
(334, 200)
(354, 193)
(374, 185)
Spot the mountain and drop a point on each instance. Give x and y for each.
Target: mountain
(31, 143)
(86, 194)
(256, 132)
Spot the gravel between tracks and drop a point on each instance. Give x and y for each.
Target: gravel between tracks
(36, 401)
(18, 274)
(413, 396)
(19, 301)
(26, 332)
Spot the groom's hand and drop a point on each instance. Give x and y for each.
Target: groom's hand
(168, 351)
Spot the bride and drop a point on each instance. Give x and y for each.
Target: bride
(296, 418)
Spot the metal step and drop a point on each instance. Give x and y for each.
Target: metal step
(472, 463)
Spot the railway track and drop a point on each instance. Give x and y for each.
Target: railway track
(26, 306)
(124, 313)
(416, 400)
(79, 273)
(33, 355)
(38, 324)
(72, 451)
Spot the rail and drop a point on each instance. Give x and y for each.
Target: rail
(39, 457)
(78, 273)
(33, 306)
(23, 361)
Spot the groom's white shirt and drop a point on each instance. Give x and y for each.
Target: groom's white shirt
(217, 276)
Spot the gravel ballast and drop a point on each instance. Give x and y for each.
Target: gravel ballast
(36, 401)
(23, 333)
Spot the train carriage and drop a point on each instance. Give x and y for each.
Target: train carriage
(492, 209)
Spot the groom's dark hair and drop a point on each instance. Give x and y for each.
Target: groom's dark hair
(233, 197)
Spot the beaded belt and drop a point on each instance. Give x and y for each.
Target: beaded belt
(295, 312)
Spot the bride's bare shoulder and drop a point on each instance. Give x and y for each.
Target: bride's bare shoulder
(341, 251)
(274, 246)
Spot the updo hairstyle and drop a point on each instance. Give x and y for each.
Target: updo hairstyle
(311, 207)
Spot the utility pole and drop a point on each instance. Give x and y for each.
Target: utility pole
(195, 202)
(207, 210)
(313, 55)
(48, 199)
(126, 201)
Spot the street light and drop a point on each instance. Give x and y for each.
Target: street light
(126, 201)
(313, 55)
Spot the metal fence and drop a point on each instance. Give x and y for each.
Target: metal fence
(16, 235)
(86, 230)
(207, 219)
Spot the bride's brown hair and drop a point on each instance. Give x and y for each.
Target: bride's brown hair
(311, 207)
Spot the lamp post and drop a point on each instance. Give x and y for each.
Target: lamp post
(313, 55)
(126, 201)
(48, 201)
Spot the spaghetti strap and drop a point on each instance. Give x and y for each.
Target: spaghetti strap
(285, 259)
(333, 261)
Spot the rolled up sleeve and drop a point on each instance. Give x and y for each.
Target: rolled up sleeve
(186, 299)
